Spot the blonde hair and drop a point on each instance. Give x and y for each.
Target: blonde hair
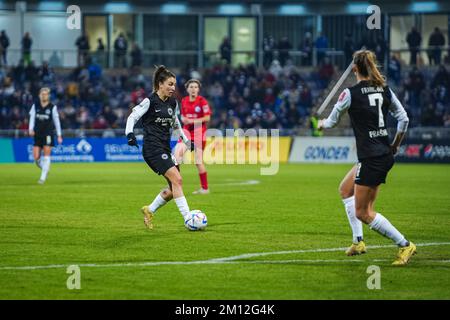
(366, 62)
(44, 89)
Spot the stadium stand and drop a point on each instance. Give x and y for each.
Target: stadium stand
(245, 97)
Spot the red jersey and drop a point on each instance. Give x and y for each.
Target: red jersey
(193, 110)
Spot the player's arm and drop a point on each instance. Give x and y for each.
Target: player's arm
(177, 126)
(133, 118)
(398, 112)
(57, 124)
(202, 119)
(32, 121)
(206, 113)
(339, 109)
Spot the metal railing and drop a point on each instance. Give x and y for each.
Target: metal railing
(70, 58)
(424, 55)
(107, 59)
(57, 58)
(175, 58)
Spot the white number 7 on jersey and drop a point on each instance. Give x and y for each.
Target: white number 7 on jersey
(376, 100)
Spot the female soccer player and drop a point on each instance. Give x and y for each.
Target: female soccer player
(195, 113)
(368, 103)
(158, 113)
(44, 119)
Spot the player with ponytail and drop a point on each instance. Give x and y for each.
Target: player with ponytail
(368, 103)
(159, 115)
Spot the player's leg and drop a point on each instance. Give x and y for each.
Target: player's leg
(159, 163)
(37, 156)
(202, 173)
(149, 211)
(346, 191)
(180, 150)
(167, 194)
(364, 200)
(161, 199)
(174, 176)
(45, 163)
(365, 197)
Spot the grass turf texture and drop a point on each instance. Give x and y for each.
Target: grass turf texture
(90, 213)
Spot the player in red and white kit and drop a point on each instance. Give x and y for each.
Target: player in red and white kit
(195, 114)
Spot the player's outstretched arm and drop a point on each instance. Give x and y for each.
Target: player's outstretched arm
(133, 118)
(339, 109)
(398, 112)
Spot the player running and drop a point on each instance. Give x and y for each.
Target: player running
(368, 103)
(158, 113)
(44, 119)
(195, 114)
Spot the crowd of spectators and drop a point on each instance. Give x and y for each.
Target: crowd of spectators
(89, 98)
(277, 95)
(247, 97)
(425, 94)
(279, 49)
(242, 97)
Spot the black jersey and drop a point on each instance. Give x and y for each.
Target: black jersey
(158, 118)
(158, 122)
(368, 115)
(368, 107)
(42, 120)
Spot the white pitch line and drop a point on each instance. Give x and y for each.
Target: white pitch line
(232, 259)
(303, 261)
(261, 254)
(239, 183)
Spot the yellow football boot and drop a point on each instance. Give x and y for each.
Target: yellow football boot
(404, 255)
(148, 217)
(356, 249)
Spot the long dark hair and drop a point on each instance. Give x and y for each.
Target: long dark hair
(161, 74)
(366, 62)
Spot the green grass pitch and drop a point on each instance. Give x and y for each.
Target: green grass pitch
(88, 215)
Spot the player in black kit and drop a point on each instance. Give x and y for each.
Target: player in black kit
(44, 119)
(159, 115)
(368, 103)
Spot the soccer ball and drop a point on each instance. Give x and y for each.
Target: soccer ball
(196, 220)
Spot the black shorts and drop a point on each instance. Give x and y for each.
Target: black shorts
(44, 140)
(373, 171)
(160, 161)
